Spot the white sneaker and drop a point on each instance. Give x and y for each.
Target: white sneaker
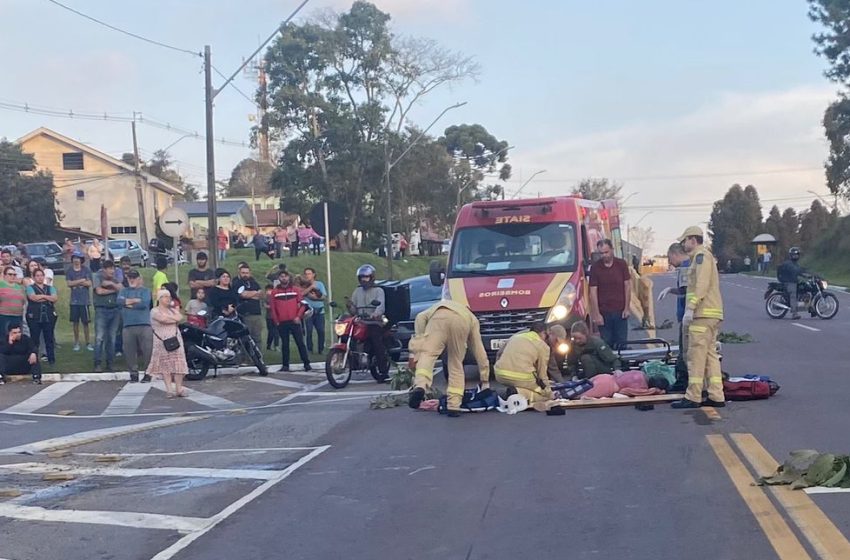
(76, 348)
(89, 347)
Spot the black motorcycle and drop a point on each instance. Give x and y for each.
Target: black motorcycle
(224, 343)
(811, 292)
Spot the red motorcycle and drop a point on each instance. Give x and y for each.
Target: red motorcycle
(353, 353)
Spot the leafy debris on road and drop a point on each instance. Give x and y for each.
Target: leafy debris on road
(401, 379)
(806, 468)
(666, 324)
(731, 337)
(387, 401)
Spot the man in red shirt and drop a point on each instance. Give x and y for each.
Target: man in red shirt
(610, 294)
(285, 303)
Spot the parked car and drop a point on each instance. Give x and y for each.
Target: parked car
(127, 247)
(48, 253)
(423, 294)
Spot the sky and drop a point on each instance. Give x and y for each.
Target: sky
(676, 100)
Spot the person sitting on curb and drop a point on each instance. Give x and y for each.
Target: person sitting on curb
(18, 354)
(591, 352)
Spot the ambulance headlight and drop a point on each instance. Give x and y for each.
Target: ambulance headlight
(339, 329)
(564, 305)
(563, 348)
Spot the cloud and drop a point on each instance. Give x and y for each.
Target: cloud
(696, 157)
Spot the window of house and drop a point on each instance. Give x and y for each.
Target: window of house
(116, 230)
(72, 161)
(81, 195)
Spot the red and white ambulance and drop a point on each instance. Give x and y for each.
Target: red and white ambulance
(514, 262)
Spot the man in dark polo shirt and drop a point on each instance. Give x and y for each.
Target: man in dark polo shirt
(610, 294)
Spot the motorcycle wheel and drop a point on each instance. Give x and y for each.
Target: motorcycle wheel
(825, 306)
(198, 369)
(375, 371)
(774, 306)
(256, 356)
(336, 369)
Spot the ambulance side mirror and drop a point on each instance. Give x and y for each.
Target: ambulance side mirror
(437, 273)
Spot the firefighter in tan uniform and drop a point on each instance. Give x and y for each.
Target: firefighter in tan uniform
(524, 362)
(703, 314)
(449, 326)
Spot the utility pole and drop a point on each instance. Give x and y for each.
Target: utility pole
(263, 136)
(140, 194)
(212, 225)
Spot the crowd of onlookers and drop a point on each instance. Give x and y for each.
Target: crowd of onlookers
(133, 320)
(291, 239)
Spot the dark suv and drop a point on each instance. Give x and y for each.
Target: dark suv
(48, 253)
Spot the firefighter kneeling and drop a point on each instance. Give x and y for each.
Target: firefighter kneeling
(452, 327)
(523, 362)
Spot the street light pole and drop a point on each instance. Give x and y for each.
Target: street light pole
(636, 224)
(388, 167)
(516, 194)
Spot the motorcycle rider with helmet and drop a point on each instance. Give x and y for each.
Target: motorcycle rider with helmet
(788, 273)
(361, 303)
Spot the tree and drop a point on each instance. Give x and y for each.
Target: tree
(642, 238)
(29, 211)
(734, 222)
(833, 43)
(340, 90)
(785, 227)
(191, 193)
(250, 176)
(600, 188)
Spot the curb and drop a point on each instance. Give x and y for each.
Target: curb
(125, 375)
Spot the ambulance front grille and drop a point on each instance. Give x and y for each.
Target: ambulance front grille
(507, 323)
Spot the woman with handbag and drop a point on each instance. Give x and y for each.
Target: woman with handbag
(167, 358)
(41, 313)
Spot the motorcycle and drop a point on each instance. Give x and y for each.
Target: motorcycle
(224, 343)
(352, 353)
(811, 291)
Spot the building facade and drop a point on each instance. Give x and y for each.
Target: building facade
(86, 179)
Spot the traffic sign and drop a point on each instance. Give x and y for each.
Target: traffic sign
(174, 222)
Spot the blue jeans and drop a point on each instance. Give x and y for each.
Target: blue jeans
(315, 322)
(615, 331)
(6, 320)
(106, 320)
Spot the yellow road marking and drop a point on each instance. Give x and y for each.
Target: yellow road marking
(777, 531)
(827, 540)
(711, 412)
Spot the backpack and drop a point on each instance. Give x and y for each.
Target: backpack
(473, 401)
(749, 390)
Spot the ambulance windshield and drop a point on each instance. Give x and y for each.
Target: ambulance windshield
(518, 248)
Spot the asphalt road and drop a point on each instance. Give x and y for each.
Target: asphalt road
(315, 474)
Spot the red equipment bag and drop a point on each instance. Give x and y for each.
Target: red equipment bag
(747, 390)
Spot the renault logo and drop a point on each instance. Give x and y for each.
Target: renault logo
(504, 302)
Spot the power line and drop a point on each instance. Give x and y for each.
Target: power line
(233, 85)
(706, 175)
(119, 30)
(113, 117)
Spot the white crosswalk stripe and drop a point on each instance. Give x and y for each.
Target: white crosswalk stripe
(44, 397)
(198, 397)
(128, 400)
(280, 382)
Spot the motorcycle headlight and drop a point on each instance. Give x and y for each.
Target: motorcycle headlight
(825, 284)
(339, 329)
(563, 348)
(564, 304)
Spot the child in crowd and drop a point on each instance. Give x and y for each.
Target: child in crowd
(195, 306)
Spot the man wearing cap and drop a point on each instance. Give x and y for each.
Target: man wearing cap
(202, 276)
(449, 326)
(135, 302)
(523, 363)
(107, 314)
(703, 314)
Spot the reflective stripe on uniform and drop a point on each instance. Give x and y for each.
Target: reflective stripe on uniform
(530, 335)
(715, 379)
(515, 375)
(694, 380)
(454, 391)
(692, 298)
(712, 313)
(429, 375)
(697, 329)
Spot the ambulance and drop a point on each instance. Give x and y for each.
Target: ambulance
(515, 262)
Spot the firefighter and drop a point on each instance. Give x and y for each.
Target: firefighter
(593, 353)
(523, 363)
(703, 314)
(449, 326)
